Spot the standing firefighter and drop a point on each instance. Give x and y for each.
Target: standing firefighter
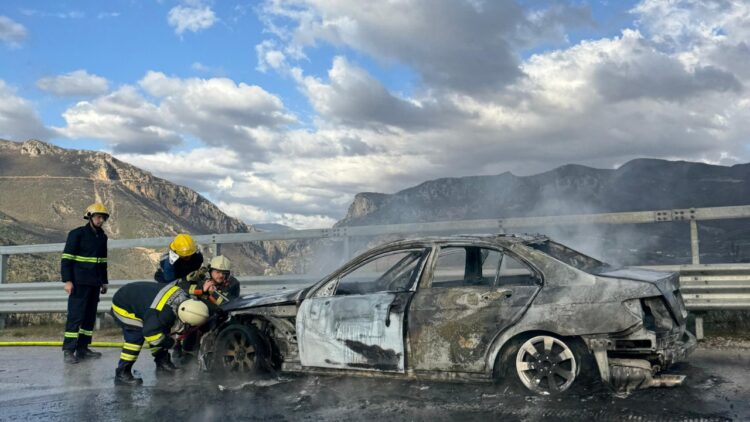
(182, 259)
(84, 271)
(154, 312)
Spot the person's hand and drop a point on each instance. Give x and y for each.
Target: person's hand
(68, 287)
(104, 289)
(209, 286)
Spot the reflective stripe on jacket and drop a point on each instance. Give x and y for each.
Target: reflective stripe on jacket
(84, 259)
(152, 305)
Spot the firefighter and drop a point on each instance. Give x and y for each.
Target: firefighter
(217, 288)
(183, 259)
(152, 312)
(83, 268)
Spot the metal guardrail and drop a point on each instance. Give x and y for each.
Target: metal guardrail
(50, 297)
(495, 225)
(704, 287)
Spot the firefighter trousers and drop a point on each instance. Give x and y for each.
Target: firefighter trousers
(79, 327)
(133, 344)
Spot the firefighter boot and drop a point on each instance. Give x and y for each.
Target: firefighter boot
(70, 357)
(124, 376)
(87, 354)
(164, 364)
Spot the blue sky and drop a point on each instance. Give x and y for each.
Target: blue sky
(293, 107)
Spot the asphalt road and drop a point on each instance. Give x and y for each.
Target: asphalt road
(35, 385)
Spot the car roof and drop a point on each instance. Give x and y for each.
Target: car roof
(501, 239)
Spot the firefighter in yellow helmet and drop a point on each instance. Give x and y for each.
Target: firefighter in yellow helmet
(182, 259)
(83, 269)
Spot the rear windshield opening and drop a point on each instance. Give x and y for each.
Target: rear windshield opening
(571, 257)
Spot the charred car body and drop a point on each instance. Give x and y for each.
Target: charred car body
(466, 308)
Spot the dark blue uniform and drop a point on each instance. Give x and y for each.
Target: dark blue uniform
(146, 311)
(169, 272)
(84, 262)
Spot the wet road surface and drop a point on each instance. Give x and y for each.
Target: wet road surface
(35, 385)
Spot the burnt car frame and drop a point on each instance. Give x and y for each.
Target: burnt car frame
(479, 307)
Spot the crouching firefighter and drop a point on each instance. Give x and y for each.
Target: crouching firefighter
(154, 312)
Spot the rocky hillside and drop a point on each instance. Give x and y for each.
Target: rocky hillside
(643, 184)
(44, 190)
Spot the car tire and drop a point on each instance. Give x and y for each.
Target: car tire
(546, 365)
(240, 349)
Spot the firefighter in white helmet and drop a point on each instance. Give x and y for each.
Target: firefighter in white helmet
(152, 312)
(216, 288)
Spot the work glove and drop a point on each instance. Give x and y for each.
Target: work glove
(197, 275)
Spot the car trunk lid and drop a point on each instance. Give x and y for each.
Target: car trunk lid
(668, 284)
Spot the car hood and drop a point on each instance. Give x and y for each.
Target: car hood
(270, 297)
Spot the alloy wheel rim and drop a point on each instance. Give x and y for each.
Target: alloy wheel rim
(546, 365)
(239, 354)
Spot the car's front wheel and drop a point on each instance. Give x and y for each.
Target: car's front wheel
(544, 364)
(240, 349)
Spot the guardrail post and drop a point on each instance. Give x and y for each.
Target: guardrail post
(694, 242)
(99, 319)
(3, 280)
(699, 327)
(215, 249)
(3, 269)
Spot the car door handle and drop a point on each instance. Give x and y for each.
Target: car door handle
(506, 293)
(388, 313)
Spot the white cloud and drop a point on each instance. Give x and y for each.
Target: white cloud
(191, 18)
(220, 111)
(458, 45)
(671, 86)
(124, 119)
(105, 15)
(76, 83)
(18, 118)
(217, 111)
(355, 98)
(12, 33)
(206, 69)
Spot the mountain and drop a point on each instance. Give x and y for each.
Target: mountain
(44, 190)
(639, 185)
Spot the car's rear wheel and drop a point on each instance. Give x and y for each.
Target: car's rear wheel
(545, 364)
(241, 350)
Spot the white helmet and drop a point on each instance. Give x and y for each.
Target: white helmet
(192, 312)
(220, 263)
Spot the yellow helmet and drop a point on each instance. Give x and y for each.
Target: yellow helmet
(183, 245)
(192, 312)
(96, 208)
(220, 263)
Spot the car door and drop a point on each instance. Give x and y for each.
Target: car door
(473, 294)
(356, 320)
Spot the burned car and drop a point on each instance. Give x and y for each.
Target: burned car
(474, 307)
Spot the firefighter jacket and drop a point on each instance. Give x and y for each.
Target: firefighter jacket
(227, 292)
(84, 259)
(172, 268)
(151, 307)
